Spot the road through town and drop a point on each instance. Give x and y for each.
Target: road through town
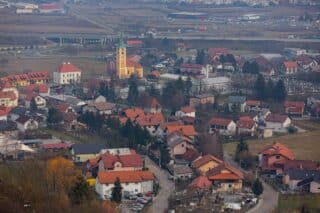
(160, 202)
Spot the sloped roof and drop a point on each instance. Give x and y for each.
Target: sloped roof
(204, 160)
(290, 64)
(68, 67)
(187, 130)
(87, 148)
(201, 182)
(110, 177)
(246, 122)
(277, 118)
(134, 112)
(253, 103)
(187, 109)
(41, 88)
(150, 119)
(278, 149)
(216, 173)
(220, 121)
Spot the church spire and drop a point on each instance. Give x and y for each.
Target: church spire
(121, 42)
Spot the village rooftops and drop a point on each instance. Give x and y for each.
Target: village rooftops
(201, 182)
(278, 149)
(276, 118)
(290, 64)
(218, 174)
(109, 177)
(220, 121)
(129, 160)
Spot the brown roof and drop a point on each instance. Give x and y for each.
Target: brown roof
(188, 109)
(246, 122)
(150, 119)
(277, 118)
(201, 182)
(187, 130)
(204, 160)
(216, 173)
(290, 64)
(134, 112)
(130, 160)
(109, 177)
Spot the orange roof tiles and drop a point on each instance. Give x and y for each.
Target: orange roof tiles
(150, 119)
(218, 174)
(246, 122)
(201, 182)
(67, 67)
(278, 149)
(187, 130)
(41, 88)
(39, 75)
(8, 95)
(134, 64)
(220, 121)
(290, 64)
(110, 177)
(133, 113)
(204, 160)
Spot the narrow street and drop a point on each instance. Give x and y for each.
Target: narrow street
(160, 202)
(268, 200)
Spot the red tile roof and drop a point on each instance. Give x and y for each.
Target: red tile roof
(38, 75)
(61, 145)
(290, 64)
(216, 173)
(39, 88)
(151, 119)
(276, 118)
(187, 130)
(294, 104)
(50, 6)
(134, 112)
(246, 122)
(131, 160)
(4, 110)
(188, 109)
(134, 64)
(201, 182)
(253, 103)
(68, 67)
(278, 149)
(204, 160)
(220, 121)
(110, 177)
(134, 42)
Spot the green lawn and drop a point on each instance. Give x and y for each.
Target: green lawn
(294, 203)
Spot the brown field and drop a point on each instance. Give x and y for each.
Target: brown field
(305, 145)
(90, 68)
(294, 203)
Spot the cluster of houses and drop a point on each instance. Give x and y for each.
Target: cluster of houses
(44, 8)
(277, 160)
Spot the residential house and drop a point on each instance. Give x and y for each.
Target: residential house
(277, 122)
(41, 89)
(151, 105)
(253, 105)
(26, 122)
(150, 122)
(215, 53)
(83, 152)
(133, 182)
(180, 172)
(67, 73)
(237, 103)
(307, 63)
(223, 126)
(168, 128)
(186, 112)
(188, 157)
(200, 100)
(64, 107)
(178, 144)
(272, 154)
(205, 163)
(225, 178)
(200, 183)
(102, 108)
(302, 180)
(246, 126)
(39, 100)
(8, 95)
(70, 121)
(294, 108)
(120, 162)
(290, 67)
(133, 113)
(284, 165)
(25, 79)
(195, 69)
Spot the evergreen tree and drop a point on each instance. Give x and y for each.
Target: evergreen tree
(188, 86)
(280, 91)
(80, 191)
(116, 195)
(269, 89)
(257, 187)
(54, 116)
(200, 58)
(242, 146)
(133, 90)
(260, 87)
(33, 105)
(164, 155)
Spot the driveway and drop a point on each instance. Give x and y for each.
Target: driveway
(268, 200)
(160, 202)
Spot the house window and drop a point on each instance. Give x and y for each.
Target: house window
(230, 185)
(278, 156)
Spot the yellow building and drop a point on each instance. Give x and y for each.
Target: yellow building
(125, 67)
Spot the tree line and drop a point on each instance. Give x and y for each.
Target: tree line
(269, 90)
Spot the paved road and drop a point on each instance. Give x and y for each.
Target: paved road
(160, 203)
(268, 200)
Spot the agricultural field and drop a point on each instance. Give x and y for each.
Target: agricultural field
(305, 145)
(90, 67)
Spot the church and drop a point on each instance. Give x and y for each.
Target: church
(125, 66)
